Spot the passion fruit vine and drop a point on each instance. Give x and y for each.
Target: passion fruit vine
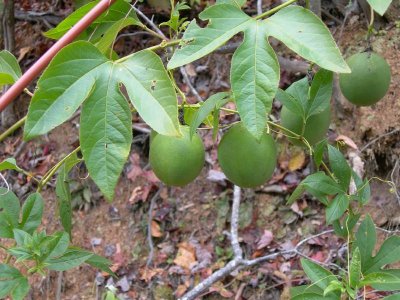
(176, 161)
(368, 81)
(244, 160)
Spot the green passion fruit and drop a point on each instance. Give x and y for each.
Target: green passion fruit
(177, 161)
(244, 160)
(368, 81)
(315, 129)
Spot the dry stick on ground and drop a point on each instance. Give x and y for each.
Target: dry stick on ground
(238, 261)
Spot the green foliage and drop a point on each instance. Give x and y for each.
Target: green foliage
(81, 74)
(255, 78)
(380, 6)
(9, 164)
(212, 104)
(9, 68)
(44, 252)
(118, 11)
(305, 33)
(12, 283)
(64, 194)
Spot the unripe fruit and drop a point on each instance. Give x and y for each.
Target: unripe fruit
(315, 129)
(368, 81)
(244, 160)
(177, 161)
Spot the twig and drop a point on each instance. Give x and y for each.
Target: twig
(150, 220)
(394, 180)
(150, 22)
(378, 138)
(259, 7)
(238, 260)
(237, 250)
(59, 285)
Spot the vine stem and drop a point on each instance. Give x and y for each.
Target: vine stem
(12, 129)
(274, 10)
(54, 169)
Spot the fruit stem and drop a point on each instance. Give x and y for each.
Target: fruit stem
(274, 10)
(371, 23)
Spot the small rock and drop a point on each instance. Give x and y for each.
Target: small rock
(123, 284)
(109, 250)
(95, 242)
(100, 279)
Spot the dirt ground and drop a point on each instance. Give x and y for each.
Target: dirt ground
(189, 224)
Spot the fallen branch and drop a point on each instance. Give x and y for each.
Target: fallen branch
(238, 260)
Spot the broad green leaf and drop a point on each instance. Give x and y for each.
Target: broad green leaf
(9, 164)
(321, 183)
(110, 35)
(392, 297)
(238, 3)
(387, 254)
(340, 167)
(305, 33)
(70, 259)
(337, 208)
(291, 103)
(365, 241)
(71, 20)
(380, 6)
(303, 289)
(334, 287)
(300, 189)
(32, 212)
(348, 224)
(225, 20)
(355, 268)
(22, 237)
(119, 10)
(151, 91)
(320, 92)
(106, 132)
(56, 246)
(392, 284)
(319, 150)
(9, 68)
(318, 275)
(381, 279)
(64, 194)
(300, 90)
(100, 262)
(254, 78)
(65, 84)
(12, 283)
(9, 213)
(308, 296)
(206, 108)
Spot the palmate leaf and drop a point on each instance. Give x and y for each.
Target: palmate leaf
(255, 78)
(238, 3)
(225, 20)
(80, 73)
(303, 32)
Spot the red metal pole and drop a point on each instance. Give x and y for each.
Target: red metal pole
(18, 87)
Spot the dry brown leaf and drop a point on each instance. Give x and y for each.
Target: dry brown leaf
(180, 290)
(265, 239)
(156, 229)
(147, 274)
(297, 161)
(23, 52)
(186, 256)
(348, 141)
(220, 289)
